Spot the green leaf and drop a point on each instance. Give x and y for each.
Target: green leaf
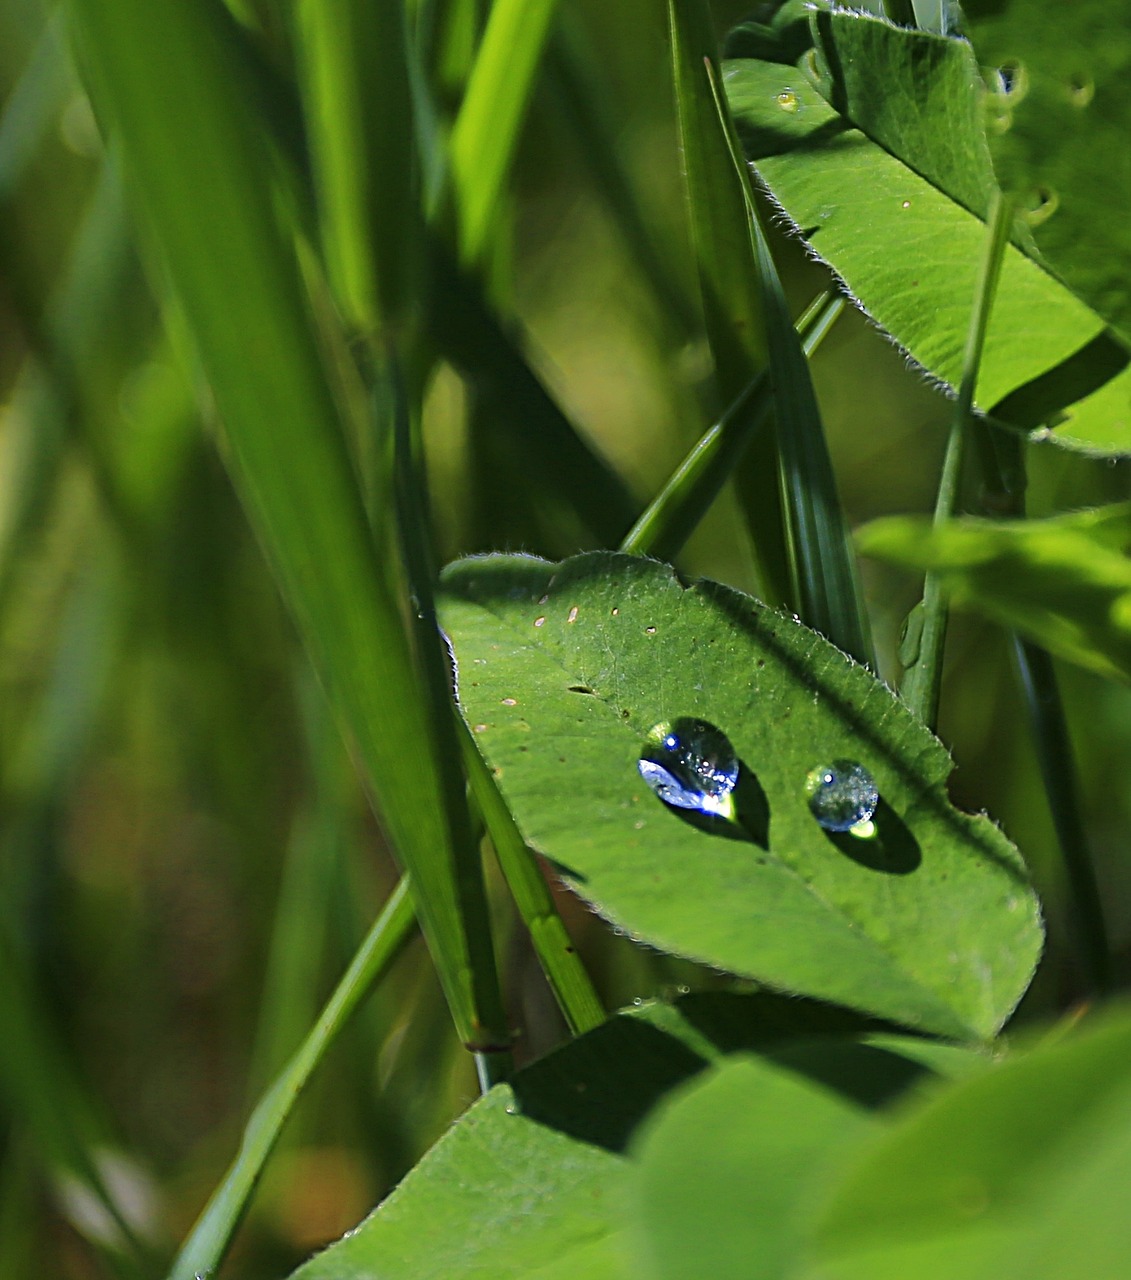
(533, 1180)
(1064, 582)
(729, 1166)
(905, 249)
(1018, 1173)
(1060, 135)
(563, 670)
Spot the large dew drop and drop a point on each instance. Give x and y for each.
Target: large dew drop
(842, 796)
(690, 764)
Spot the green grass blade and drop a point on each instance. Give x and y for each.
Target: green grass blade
(732, 309)
(206, 1244)
(579, 1003)
(359, 110)
(487, 127)
(676, 510)
(553, 457)
(923, 676)
(820, 545)
(493, 1049)
(194, 151)
(1058, 772)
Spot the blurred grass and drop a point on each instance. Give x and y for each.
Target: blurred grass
(186, 859)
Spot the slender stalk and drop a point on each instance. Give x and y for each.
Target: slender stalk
(490, 1042)
(681, 504)
(822, 559)
(564, 971)
(1058, 772)
(208, 1241)
(923, 676)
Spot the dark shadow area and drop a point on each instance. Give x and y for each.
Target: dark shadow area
(892, 849)
(599, 1087)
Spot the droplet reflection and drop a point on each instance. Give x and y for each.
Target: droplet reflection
(692, 765)
(843, 797)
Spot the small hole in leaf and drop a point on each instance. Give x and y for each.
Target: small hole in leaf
(1010, 80)
(1081, 89)
(1041, 205)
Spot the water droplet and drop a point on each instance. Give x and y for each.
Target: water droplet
(843, 797)
(690, 764)
(787, 100)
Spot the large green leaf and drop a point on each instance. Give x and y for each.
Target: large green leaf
(563, 670)
(1065, 582)
(534, 1180)
(1061, 134)
(1019, 1172)
(728, 1168)
(895, 231)
(904, 248)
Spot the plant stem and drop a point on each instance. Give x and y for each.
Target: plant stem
(673, 514)
(208, 1241)
(1058, 772)
(923, 676)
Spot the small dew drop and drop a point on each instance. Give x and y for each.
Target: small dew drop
(787, 100)
(906, 204)
(843, 797)
(510, 702)
(540, 621)
(691, 765)
(572, 616)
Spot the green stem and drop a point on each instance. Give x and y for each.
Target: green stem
(1058, 772)
(923, 677)
(490, 1038)
(205, 1247)
(564, 971)
(677, 509)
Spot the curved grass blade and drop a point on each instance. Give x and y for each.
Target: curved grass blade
(194, 147)
(675, 512)
(487, 128)
(207, 1242)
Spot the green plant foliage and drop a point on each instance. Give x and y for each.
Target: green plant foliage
(563, 670)
(1065, 582)
(536, 1178)
(1021, 1171)
(883, 200)
(1056, 127)
(729, 1166)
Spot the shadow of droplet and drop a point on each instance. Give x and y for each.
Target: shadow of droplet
(891, 848)
(751, 811)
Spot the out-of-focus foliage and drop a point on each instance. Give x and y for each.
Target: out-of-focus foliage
(187, 856)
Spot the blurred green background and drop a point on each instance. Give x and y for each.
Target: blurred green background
(186, 859)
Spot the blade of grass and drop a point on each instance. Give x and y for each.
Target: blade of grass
(564, 971)
(1058, 772)
(487, 128)
(675, 512)
(821, 549)
(172, 78)
(922, 679)
(732, 308)
(206, 1244)
(492, 1055)
(359, 108)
